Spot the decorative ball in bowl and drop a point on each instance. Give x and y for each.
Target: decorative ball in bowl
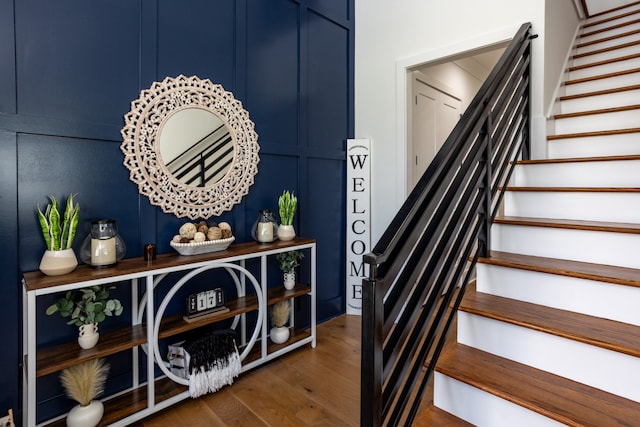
(201, 238)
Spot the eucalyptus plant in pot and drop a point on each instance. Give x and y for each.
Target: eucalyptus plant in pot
(288, 263)
(58, 232)
(86, 308)
(287, 204)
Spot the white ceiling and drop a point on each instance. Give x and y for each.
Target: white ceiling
(597, 6)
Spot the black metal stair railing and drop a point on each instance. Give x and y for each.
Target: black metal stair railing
(419, 268)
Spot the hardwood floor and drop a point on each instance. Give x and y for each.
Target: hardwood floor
(309, 387)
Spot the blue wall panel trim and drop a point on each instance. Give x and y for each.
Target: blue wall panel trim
(68, 77)
(7, 59)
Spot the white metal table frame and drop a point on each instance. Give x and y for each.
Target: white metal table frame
(146, 307)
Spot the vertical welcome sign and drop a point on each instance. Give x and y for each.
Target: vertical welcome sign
(358, 219)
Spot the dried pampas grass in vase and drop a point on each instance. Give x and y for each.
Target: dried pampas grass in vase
(84, 383)
(279, 317)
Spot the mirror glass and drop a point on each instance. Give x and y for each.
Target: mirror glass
(196, 147)
(190, 147)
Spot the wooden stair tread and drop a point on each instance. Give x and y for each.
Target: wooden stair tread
(612, 27)
(595, 133)
(611, 18)
(606, 39)
(599, 111)
(605, 62)
(573, 189)
(578, 159)
(604, 333)
(558, 398)
(582, 270)
(434, 416)
(612, 227)
(624, 6)
(599, 92)
(602, 76)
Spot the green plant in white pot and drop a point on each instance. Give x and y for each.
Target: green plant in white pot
(288, 263)
(58, 231)
(287, 204)
(86, 308)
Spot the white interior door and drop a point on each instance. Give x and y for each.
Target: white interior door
(434, 115)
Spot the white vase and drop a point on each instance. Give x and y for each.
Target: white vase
(279, 335)
(55, 263)
(88, 335)
(85, 416)
(286, 232)
(289, 280)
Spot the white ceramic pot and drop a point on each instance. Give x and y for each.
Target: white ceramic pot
(286, 232)
(88, 335)
(289, 280)
(279, 335)
(55, 263)
(86, 416)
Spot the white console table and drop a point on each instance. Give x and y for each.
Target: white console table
(149, 323)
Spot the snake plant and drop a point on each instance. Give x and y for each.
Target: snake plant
(287, 205)
(59, 232)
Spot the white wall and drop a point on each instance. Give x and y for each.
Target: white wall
(393, 36)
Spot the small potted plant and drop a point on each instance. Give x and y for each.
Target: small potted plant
(287, 204)
(86, 308)
(58, 232)
(84, 383)
(288, 262)
(279, 316)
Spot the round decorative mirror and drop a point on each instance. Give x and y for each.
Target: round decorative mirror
(190, 146)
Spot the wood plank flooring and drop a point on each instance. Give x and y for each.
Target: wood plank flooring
(308, 387)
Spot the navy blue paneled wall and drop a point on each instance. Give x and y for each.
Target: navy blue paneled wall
(68, 72)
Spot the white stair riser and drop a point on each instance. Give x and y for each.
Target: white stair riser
(483, 409)
(602, 84)
(597, 122)
(609, 33)
(608, 55)
(589, 103)
(607, 207)
(605, 44)
(599, 299)
(610, 67)
(594, 366)
(593, 146)
(598, 247)
(613, 173)
(612, 23)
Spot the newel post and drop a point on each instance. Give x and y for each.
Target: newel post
(371, 358)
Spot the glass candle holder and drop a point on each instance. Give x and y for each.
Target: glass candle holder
(103, 247)
(265, 229)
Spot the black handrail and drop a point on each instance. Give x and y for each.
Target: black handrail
(419, 268)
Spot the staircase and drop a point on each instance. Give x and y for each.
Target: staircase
(550, 333)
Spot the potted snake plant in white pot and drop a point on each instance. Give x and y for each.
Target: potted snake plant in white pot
(59, 231)
(86, 308)
(287, 204)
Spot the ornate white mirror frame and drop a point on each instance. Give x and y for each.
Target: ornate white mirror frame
(142, 135)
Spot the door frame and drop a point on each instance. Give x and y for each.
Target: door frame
(404, 79)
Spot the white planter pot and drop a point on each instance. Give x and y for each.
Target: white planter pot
(56, 263)
(286, 232)
(289, 280)
(86, 416)
(279, 335)
(88, 335)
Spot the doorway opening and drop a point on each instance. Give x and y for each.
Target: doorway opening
(439, 93)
